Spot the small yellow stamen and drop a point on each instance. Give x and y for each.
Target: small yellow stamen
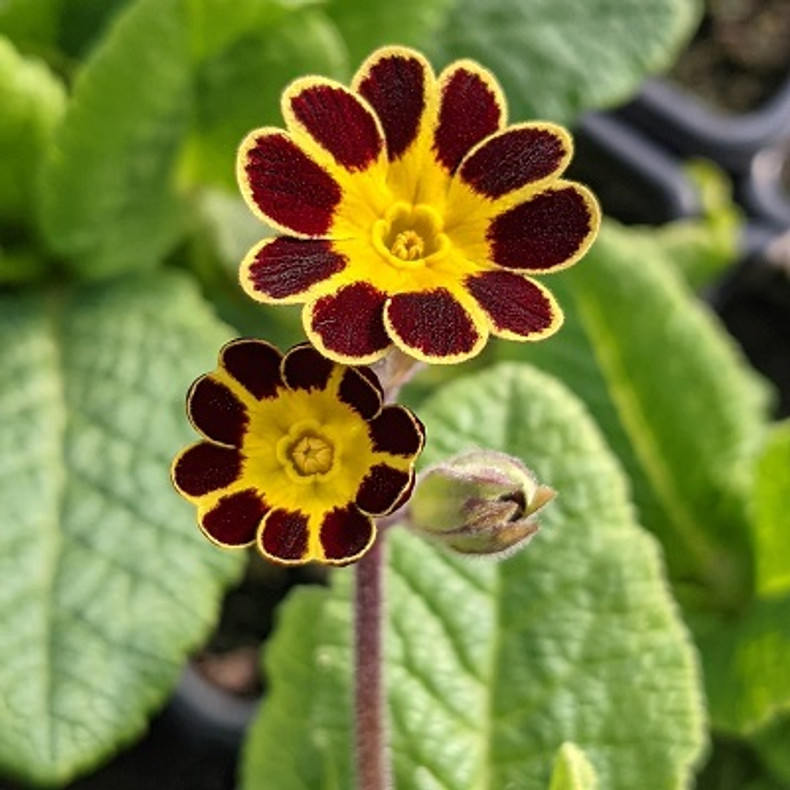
(408, 246)
(312, 455)
(410, 237)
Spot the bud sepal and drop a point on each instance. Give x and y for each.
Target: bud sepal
(480, 502)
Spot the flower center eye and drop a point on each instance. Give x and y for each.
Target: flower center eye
(409, 235)
(311, 455)
(408, 246)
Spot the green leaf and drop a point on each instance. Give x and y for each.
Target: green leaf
(107, 583)
(771, 744)
(214, 24)
(239, 89)
(747, 674)
(366, 26)
(771, 513)
(678, 403)
(556, 58)
(572, 770)
(109, 201)
(33, 100)
(493, 666)
(30, 25)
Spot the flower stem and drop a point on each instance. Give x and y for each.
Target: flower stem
(372, 754)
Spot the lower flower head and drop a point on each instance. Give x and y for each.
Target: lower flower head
(299, 454)
(411, 213)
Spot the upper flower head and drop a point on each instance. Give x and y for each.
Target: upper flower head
(412, 215)
(299, 454)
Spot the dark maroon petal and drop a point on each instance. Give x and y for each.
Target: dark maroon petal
(304, 368)
(469, 111)
(289, 187)
(541, 233)
(359, 392)
(405, 494)
(216, 411)
(397, 431)
(350, 323)
(512, 303)
(382, 488)
(395, 87)
(335, 118)
(285, 535)
(433, 323)
(255, 364)
(288, 267)
(235, 518)
(513, 159)
(345, 534)
(206, 467)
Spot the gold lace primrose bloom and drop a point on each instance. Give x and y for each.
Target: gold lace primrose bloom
(411, 213)
(299, 454)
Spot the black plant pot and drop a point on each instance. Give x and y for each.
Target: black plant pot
(765, 191)
(689, 128)
(753, 301)
(635, 179)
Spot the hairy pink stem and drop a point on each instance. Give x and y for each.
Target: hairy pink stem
(372, 753)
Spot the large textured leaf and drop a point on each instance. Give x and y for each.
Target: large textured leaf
(106, 580)
(238, 88)
(556, 58)
(772, 515)
(492, 667)
(32, 99)
(109, 202)
(677, 402)
(366, 25)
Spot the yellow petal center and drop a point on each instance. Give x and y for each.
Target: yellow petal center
(409, 236)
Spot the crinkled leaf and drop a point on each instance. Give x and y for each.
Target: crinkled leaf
(572, 770)
(109, 202)
(747, 673)
(772, 515)
(107, 582)
(556, 58)
(366, 26)
(238, 89)
(677, 402)
(32, 101)
(493, 666)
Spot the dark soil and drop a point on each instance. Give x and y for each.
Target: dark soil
(740, 54)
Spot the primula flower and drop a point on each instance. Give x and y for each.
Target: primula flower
(299, 454)
(412, 215)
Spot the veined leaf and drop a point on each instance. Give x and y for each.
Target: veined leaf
(107, 582)
(491, 667)
(681, 408)
(556, 58)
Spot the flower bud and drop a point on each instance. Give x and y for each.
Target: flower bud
(479, 502)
